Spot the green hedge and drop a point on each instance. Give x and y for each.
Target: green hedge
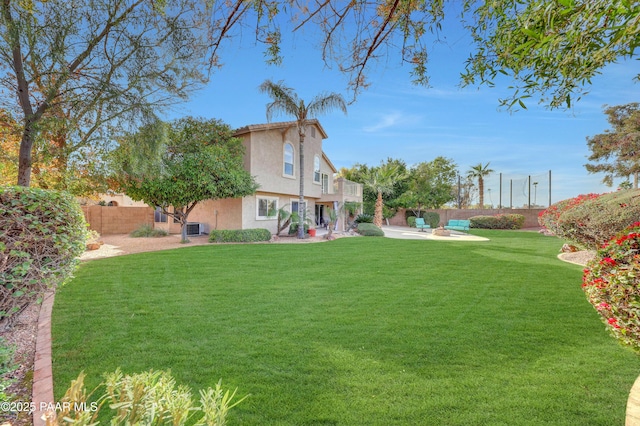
(430, 218)
(42, 234)
(596, 220)
(239, 235)
(369, 230)
(499, 221)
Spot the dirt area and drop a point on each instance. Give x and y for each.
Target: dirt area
(116, 245)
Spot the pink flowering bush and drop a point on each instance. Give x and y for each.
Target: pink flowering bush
(552, 216)
(611, 282)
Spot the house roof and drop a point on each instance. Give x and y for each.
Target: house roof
(275, 126)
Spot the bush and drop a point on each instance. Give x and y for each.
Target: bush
(42, 234)
(431, 218)
(595, 221)
(364, 218)
(411, 221)
(239, 235)
(293, 229)
(499, 221)
(7, 367)
(611, 282)
(144, 399)
(550, 217)
(146, 230)
(369, 230)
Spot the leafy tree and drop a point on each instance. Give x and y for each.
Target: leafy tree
(480, 172)
(189, 160)
(82, 71)
(431, 185)
(382, 180)
(286, 101)
(359, 173)
(549, 47)
(616, 152)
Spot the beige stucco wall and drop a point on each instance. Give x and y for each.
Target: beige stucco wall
(249, 210)
(264, 160)
(214, 214)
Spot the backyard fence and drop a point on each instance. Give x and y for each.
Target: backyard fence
(508, 191)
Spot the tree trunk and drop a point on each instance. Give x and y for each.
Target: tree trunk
(481, 189)
(377, 217)
(24, 162)
(301, 200)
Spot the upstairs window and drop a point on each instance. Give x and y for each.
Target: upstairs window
(316, 169)
(288, 159)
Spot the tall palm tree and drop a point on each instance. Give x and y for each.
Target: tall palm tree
(286, 101)
(479, 172)
(381, 180)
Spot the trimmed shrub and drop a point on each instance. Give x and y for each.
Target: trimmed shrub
(42, 234)
(499, 221)
(364, 218)
(239, 235)
(611, 282)
(595, 221)
(369, 230)
(431, 218)
(550, 217)
(146, 230)
(411, 221)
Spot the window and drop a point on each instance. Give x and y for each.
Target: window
(313, 132)
(158, 216)
(325, 183)
(316, 169)
(294, 206)
(288, 159)
(267, 208)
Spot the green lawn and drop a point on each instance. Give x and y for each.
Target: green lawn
(358, 331)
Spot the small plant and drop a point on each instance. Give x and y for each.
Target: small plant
(284, 219)
(431, 218)
(611, 282)
(146, 230)
(149, 398)
(411, 221)
(7, 366)
(369, 230)
(239, 235)
(295, 220)
(364, 218)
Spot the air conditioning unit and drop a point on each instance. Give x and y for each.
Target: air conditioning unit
(195, 228)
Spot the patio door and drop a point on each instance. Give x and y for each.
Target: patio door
(320, 214)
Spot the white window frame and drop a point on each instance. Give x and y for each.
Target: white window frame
(325, 183)
(269, 200)
(285, 163)
(316, 169)
(159, 216)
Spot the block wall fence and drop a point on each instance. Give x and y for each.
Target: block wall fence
(123, 220)
(530, 215)
(117, 220)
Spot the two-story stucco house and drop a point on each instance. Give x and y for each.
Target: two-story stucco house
(272, 157)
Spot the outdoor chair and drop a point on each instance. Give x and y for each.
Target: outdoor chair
(420, 224)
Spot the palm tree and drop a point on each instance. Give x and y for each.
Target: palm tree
(479, 172)
(381, 180)
(286, 101)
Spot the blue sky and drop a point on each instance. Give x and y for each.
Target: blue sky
(393, 118)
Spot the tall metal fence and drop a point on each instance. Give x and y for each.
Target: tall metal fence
(513, 191)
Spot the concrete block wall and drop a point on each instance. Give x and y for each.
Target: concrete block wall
(117, 220)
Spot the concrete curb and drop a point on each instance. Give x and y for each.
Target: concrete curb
(42, 393)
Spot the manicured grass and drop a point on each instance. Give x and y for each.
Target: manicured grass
(358, 331)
